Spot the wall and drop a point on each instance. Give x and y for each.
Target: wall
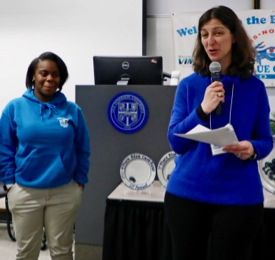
(164, 7)
(267, 4)
(75, 30)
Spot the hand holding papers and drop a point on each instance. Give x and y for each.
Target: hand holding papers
(218, 137)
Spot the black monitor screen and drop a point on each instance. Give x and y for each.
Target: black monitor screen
(136, 70)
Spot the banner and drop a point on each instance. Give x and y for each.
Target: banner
(260, 26)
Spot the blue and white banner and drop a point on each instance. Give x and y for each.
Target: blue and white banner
(260, 26)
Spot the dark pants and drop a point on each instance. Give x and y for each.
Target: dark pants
(201, 231)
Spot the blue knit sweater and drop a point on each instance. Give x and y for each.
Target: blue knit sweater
(43, 145)
(222, 179)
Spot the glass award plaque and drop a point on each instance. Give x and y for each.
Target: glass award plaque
(137, 171)
(165, 167)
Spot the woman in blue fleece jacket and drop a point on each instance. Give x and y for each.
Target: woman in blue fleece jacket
(44, 160)
(214, 203)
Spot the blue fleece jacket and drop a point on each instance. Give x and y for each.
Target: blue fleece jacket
(43, 145)
(222, 179)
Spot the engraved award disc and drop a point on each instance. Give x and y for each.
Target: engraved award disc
(137, 171)
(165, 167)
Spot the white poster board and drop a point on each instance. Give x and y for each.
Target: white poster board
(260, 26)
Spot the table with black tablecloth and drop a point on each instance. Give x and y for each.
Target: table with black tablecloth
(135, 228)
(264, 243)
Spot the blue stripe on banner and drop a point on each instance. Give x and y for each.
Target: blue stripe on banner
(265, 76)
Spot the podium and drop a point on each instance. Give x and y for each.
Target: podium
(109, 147)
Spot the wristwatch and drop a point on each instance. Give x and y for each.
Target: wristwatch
(253, 156)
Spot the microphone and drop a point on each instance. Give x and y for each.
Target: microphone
(215, 68)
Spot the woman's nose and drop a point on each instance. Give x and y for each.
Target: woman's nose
(211, 40)
(49, 77)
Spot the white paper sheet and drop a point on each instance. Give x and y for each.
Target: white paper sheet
(220, 137)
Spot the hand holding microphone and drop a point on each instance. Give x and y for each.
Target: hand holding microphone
(214, 93)
(215, 68)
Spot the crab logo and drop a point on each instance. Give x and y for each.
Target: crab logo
(63, 122)
(127, 112)
(265, 53)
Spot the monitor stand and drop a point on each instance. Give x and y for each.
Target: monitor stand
(123, 81)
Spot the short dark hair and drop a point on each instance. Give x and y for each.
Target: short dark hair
(47, 56)
(243, 52)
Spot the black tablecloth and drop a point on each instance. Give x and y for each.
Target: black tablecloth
(135, 230)
(264, 243)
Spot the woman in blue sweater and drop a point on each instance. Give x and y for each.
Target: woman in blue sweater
(216, 201)
(44, 160)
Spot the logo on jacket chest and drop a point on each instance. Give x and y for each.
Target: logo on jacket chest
(63, 122)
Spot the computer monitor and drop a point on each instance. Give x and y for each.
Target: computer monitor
(134, 70)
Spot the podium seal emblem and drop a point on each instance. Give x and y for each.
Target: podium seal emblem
(128, 112)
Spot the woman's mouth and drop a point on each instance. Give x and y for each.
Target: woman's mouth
(49, 86)
(212, 51)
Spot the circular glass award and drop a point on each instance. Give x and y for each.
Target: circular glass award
(137, 171)
(165, 167)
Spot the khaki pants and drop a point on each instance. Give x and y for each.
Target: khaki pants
(51, 209)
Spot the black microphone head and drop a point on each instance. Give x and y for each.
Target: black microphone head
(215, 67)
